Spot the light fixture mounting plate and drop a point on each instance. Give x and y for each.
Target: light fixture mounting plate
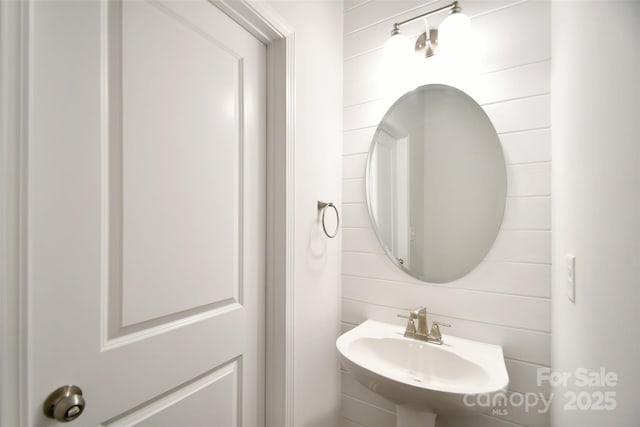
(426, 46)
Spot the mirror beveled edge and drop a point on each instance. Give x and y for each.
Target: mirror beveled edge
(368, 189)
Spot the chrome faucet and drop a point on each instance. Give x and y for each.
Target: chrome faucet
(420, 333)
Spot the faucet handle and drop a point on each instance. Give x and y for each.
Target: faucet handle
(446, 325)
(434, 334)
(410, 331)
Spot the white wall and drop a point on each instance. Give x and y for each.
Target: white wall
(318, 134)
(596, 215)
(506, 300)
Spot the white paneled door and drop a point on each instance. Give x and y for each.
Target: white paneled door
(146, 213)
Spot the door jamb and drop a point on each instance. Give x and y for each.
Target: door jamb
(260, 20)
(13, 108)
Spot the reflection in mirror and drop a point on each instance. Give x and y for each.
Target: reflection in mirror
(436, 183)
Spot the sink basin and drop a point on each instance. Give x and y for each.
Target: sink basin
(422, 377)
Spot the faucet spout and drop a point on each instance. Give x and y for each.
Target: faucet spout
(421, 333)
(421, 314)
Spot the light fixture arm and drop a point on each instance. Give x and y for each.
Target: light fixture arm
(453, 8)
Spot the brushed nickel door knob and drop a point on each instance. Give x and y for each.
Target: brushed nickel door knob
(64, 404)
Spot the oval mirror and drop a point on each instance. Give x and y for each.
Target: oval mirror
(436, 183)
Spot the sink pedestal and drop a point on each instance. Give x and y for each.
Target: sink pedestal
(407, 416)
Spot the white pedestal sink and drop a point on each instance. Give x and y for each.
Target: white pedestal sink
(423, 379)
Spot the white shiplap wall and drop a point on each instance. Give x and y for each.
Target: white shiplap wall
(506, 299)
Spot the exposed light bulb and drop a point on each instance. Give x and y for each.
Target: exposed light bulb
(398, 49)
(455, 49)
(454, 35)
(398, 68)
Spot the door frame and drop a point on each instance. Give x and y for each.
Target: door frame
(261, 21)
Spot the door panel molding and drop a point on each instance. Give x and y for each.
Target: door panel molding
(260, 20)
(230, 372)
(116, 329)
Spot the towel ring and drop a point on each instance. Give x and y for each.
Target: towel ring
(323, 206)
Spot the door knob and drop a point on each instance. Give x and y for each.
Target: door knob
(64, 404)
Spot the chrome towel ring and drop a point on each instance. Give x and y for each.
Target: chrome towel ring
(323, 206)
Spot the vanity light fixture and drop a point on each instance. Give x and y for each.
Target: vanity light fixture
(453, 34)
